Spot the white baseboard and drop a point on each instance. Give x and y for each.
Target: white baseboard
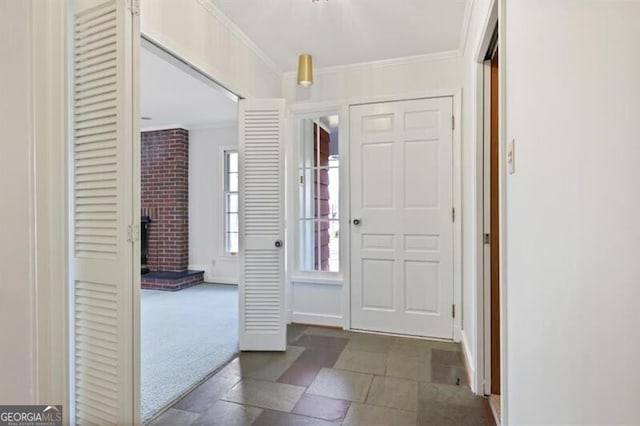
(468, 360)
(210, 278)
(317, 319)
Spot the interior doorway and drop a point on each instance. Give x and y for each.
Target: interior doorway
(491, 224)
(189, 193)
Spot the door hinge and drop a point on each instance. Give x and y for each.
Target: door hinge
(453, 214)
(453, 311)
(453, 122)
(133, 233)
(486, 238)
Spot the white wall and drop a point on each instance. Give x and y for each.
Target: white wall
(193, 30)
(17, 222)
(409, 77)
(206, 198)
(572, 285)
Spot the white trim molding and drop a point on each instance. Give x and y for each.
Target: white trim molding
(316, 319)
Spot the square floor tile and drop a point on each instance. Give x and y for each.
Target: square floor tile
(440, 356)
(318, 356)
(321, 407)
(228, 414)
(341, 384)
(410, 348)
(364, 414)
(278, 418)
(268, 365)
(324, 342)
(369, 343)
(173, 417)
(448, 395)
(448, 374)
(275, 396)
(204, 396)
(362, 362)
(300, 374)
(393, 392)
(418, 369)
(438, 414)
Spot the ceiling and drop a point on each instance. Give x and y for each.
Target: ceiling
(343, 32)
(174, 95)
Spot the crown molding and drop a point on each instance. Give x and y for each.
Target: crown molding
(464, 31)
(217, 13)
(407, 60)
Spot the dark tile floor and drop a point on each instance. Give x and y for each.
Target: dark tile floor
(329, 376)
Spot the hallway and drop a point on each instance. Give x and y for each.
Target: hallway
(330, 376)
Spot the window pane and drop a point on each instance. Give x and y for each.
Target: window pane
(232, 242)
(307, 192)
(232, 222)
(232, 182)
(232, 203)
(318, 195)
(232, 162)
(319, 248)
(306, 248)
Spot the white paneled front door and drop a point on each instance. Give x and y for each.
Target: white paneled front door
(402, 217)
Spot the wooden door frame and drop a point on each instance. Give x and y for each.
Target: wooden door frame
(495, 13)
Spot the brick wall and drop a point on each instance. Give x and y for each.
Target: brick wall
(165, 197)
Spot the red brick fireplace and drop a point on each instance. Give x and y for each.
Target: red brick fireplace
(165, 201)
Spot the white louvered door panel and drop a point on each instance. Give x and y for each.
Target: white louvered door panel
(103, 276)
(262, 310)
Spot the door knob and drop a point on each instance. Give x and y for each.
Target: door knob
(278, 243)
(357, 221)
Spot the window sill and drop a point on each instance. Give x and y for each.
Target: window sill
(334, 279)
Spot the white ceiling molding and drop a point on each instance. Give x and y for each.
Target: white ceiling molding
(464, 31)
(383, 63)
(216, 13)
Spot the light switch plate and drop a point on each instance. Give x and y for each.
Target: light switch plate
(511, 157)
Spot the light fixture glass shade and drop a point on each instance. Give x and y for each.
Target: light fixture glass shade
(305, 70)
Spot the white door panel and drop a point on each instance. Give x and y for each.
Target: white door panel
(105, 265)
(261, 289)
(402, 193)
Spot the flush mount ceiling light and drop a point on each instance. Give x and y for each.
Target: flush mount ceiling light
(305, 70)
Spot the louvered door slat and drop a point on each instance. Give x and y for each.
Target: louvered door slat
(103, 124)
(262, 308)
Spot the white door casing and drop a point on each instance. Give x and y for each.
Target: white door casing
(105, 267)
(402, 196)
(262, 275)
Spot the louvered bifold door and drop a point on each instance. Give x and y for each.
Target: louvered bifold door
(262, 308)
(102, 173)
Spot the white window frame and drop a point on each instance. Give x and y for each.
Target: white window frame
(224, 151)
(295, 274)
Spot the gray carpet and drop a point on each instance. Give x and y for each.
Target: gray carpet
(185, 336)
